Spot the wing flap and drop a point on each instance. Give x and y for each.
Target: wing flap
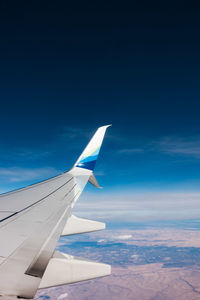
(77, 225)
(65, 269)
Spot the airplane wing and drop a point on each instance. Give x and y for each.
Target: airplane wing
(32, 219)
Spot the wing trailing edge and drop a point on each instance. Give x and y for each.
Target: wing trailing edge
(57, 272)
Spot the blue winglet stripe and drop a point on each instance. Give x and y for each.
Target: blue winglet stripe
(87, 165)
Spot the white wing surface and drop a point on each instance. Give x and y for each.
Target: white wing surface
(32, 220)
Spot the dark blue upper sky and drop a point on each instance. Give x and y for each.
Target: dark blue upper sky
(66, 69)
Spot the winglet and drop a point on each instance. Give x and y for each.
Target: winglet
(88, 158)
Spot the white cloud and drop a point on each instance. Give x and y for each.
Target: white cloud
(181, 146)
(124, 237)
(17, 174)
(135, 257)
(173, 145)
(63, 296)
(71, 133)
(101, 241)
(30, 154)
(131, 150)
(21, 153)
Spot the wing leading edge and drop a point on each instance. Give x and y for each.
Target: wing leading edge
(32, 220)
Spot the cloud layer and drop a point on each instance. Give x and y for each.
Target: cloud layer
(131, 207)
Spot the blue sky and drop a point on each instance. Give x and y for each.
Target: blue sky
(67, 69)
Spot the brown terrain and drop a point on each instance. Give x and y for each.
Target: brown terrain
(136, 277)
